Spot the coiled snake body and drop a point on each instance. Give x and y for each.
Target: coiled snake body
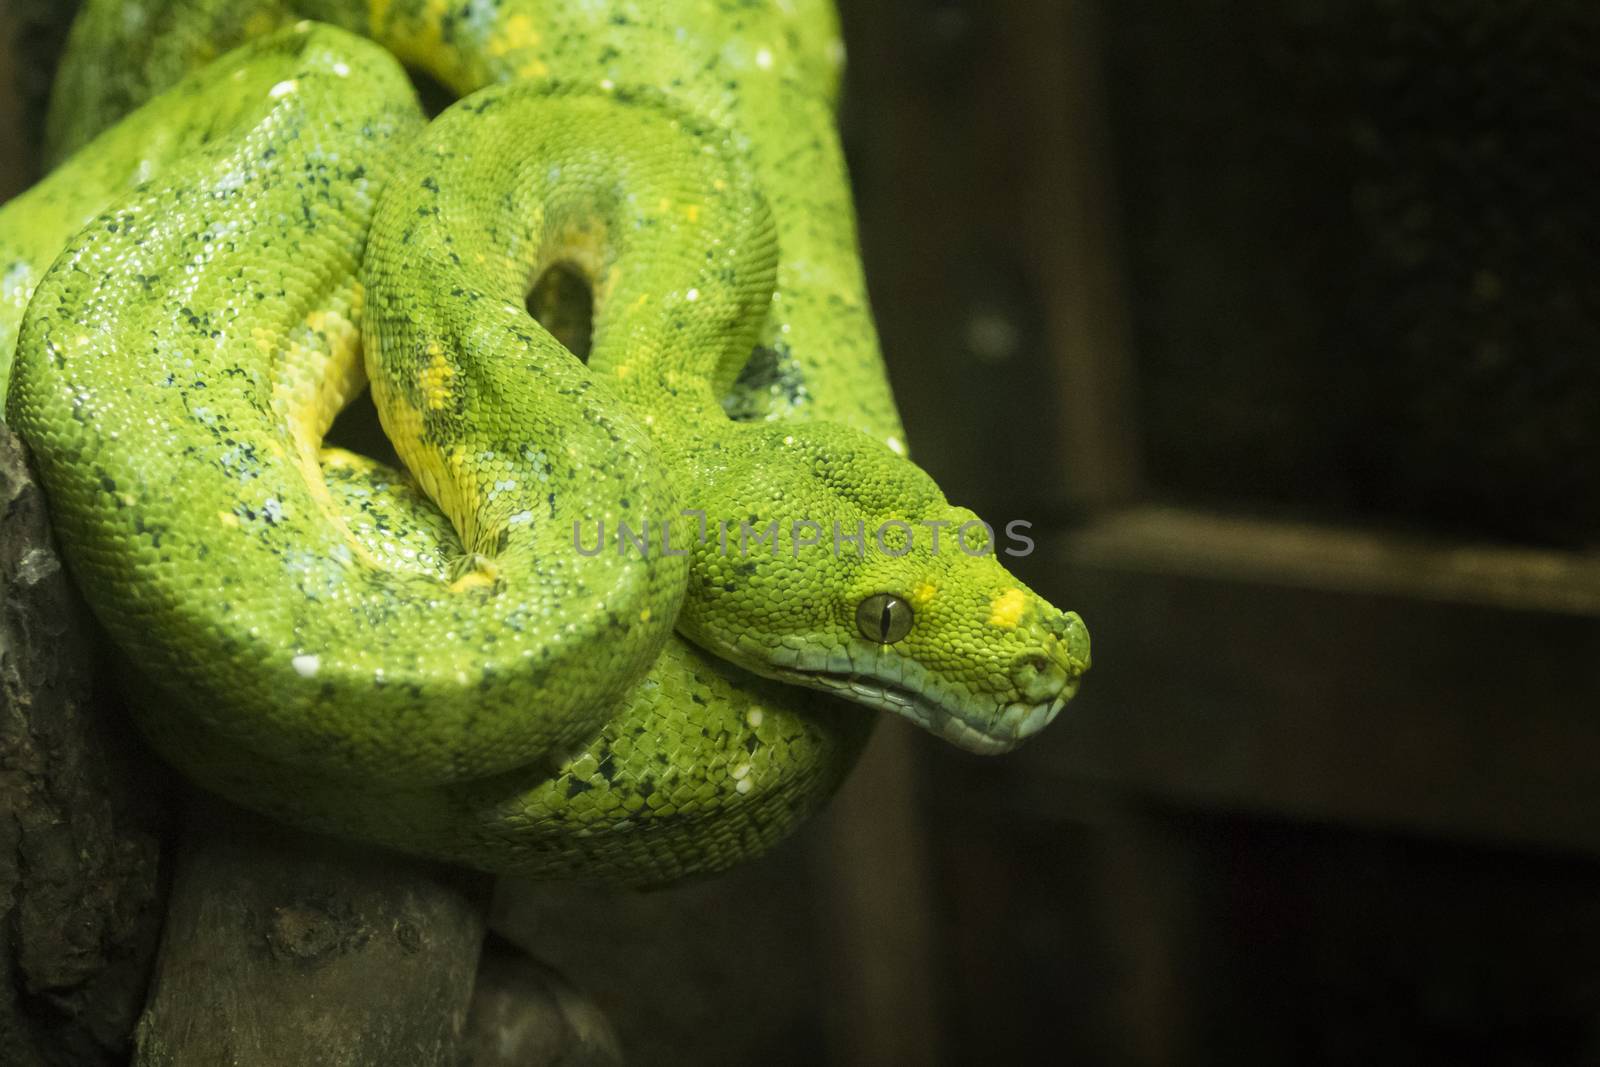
(254, 222)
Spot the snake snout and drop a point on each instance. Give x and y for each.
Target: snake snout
(1055, 661)
(1045, 676)
(1039, 676)
(1068, 629)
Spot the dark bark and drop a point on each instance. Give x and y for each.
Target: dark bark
(286, 948)
(80, 832)
(279, 947)
(524, 1014)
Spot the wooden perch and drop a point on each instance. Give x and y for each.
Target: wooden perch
(82, 813)
(279, 947)
(284, 948)
(525, 1014)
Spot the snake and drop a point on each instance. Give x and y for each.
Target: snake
(625, 615)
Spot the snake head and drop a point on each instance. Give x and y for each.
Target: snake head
(839, 565)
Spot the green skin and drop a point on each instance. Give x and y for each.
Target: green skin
(431, 660)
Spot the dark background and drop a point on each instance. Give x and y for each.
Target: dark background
(1281, 317)
(1278, 320)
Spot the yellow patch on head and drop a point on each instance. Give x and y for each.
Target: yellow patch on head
(435, 379)
(228, 518)
(1005, 611)
(923, 594)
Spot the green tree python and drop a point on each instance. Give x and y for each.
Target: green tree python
(601, 623)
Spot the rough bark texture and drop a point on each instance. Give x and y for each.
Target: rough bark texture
(284, 948)
(82, 812)
(525, 1014)
(279, 947)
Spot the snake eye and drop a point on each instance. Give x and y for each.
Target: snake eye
(883, 618)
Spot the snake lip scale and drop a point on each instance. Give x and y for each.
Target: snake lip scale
(1023, 720)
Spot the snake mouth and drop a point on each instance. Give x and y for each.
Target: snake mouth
(1002, 730)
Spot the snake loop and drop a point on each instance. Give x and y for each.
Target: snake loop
(424, 658)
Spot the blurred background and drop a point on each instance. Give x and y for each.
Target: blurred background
(1277, 319)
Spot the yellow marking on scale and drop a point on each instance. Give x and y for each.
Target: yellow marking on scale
(347, 460)
(516, 34)
(471, 580)
(1005, 611)
(435, 379)
(923, 594)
